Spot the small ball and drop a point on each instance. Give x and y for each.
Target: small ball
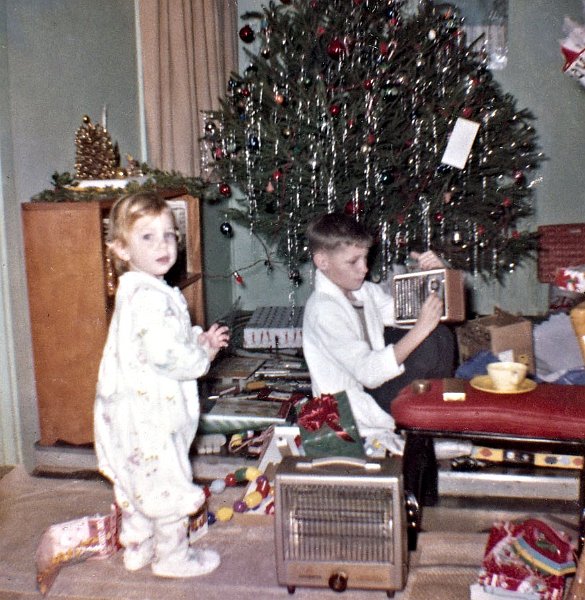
(226, 229)
(253, 499)
(225, 190)
(217, 486)
(247, 34)
(240, 506)
(252, 473)
(230, 480)
(225, 513)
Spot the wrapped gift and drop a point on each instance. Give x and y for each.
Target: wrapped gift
(75, 541)
(571, 278)
(328, 428)
(528, 557)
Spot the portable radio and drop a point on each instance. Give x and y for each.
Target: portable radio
(340, 523)
(410, 290)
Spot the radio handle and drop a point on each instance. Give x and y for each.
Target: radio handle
(346, 461)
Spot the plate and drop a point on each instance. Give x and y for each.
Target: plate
(485, 384)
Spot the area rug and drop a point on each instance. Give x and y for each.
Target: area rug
(442, 568)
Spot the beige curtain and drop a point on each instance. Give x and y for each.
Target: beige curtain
(189, 49)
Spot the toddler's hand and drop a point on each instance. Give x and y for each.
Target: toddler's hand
(427, 260)
(215, 338)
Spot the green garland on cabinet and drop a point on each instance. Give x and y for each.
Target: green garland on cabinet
(65, 190)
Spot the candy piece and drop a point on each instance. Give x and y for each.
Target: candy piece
(240, 506)
(230, 480)
(269, 508)
(225, 513)
(206, 491)
(240, 474)
(217, 486)
(253, 499)
(211, 518)
(252, 473)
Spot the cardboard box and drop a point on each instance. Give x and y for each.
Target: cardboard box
(507, 336)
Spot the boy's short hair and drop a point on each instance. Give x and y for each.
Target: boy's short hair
(332, 230)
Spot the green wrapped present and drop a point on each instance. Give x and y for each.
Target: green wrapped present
(328, 428)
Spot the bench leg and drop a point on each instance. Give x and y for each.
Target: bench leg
(419, 469)
(581, 508)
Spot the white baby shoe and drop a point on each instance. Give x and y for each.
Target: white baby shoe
(197, 562)
(137, 556)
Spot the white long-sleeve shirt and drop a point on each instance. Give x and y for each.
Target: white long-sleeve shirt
(339, 356)
(147, 403)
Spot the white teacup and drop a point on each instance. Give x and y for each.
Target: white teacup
(507, 376)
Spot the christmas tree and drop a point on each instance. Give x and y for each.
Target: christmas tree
(349, 105)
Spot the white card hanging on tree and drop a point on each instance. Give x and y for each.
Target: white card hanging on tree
(460, 143)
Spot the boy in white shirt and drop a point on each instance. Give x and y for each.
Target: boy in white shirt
(344, 329)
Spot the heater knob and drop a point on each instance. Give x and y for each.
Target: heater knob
(338, 582)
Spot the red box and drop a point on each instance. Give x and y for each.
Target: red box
(559, 246)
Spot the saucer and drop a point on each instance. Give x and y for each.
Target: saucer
(485, 384)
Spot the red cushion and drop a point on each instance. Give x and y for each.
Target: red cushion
(555, 412)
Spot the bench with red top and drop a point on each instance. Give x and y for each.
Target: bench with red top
(550, 418)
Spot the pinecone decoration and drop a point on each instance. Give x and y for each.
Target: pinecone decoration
(95, 155)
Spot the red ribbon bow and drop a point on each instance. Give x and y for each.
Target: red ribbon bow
(323, 411)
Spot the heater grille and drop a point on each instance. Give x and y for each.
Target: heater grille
(338, 522)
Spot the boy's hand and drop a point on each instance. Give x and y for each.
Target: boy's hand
(430, 314)
(427, 260)
(215, 338)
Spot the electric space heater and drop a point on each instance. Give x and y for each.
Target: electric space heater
(340, 523)
(410, 290)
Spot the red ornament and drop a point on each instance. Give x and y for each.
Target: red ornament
(480, 230)
(371, 139)
(218, 153)
(247, 34)
(245, 92)
(467, 112)
(320, 30)
(515, 234)
(506, 202)
(230, 480)
(519, 177)
(368, 84)
(225, 190)
(240, 281)
(438, 217)
(353, 208)
(335, 109)
(393, 22)
(336, 48)
(277, 175)
(384, 48)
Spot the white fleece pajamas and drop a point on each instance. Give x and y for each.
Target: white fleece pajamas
(145, 419)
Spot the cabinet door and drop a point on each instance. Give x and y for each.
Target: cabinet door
(67, 298)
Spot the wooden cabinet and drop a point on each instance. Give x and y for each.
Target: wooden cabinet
(70, 290)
